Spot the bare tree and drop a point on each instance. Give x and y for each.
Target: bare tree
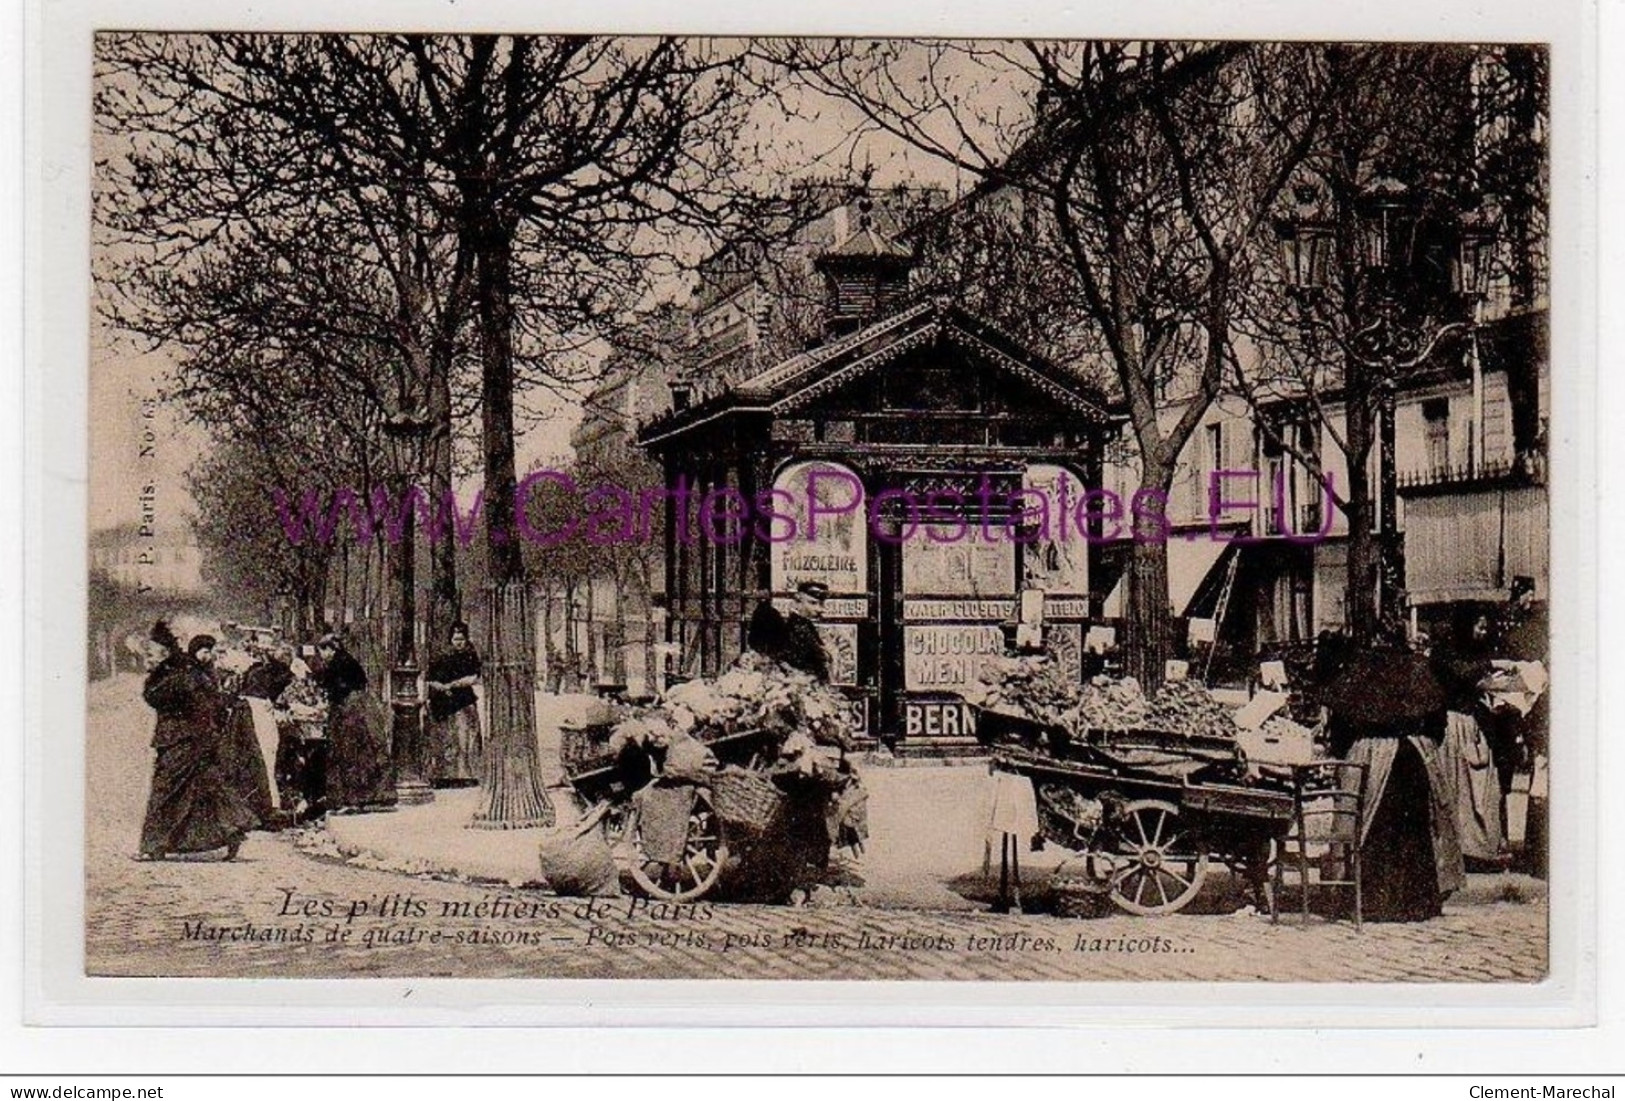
(543, 179)
(1397, 117)
(1155, 171)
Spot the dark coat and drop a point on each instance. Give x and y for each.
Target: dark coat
(266, 679)
(804, 647)
(791, 639)
(192, 808)
(450, 666)
(359, 770)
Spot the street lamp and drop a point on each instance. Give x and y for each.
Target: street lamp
(1306, 241)
(1387, 227)
(405, 433)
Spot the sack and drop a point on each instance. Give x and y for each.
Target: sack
(663, 821)
(576, 860)
(688, 761)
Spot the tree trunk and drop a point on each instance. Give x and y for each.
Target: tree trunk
(649, 639)
(445, 601)
(512, 778)
(511, 773)
(569, 678)
(1147, 616)
(494, 287)
(592, 632)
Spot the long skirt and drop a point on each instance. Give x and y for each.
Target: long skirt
(242, 762)
(1409, 856)
(1472, 787)
(455, 748)
(192, 808)
(359, 771)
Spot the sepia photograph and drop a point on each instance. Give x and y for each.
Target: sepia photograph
(897, 509)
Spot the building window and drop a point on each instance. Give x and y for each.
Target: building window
(1436, 433)
(1212, 463)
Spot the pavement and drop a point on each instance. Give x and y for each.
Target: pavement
(414, 893)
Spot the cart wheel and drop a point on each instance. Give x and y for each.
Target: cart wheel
(1159, 866)
(704, 854)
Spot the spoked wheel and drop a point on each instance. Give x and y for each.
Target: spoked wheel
(1159, 866)
(704, 854)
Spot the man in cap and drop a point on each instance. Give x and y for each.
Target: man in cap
(793, 638)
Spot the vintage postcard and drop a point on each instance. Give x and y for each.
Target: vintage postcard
(786, 508)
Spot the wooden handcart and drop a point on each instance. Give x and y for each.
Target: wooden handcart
(1149, 810)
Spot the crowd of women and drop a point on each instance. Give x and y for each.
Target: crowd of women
(250, 735)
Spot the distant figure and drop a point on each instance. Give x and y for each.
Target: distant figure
(455, 744)
(191, 808)
(359, 772)
(793, 639)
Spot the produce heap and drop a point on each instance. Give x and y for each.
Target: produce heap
(1036, 688)
(302, 701)
(757, 693)
(1185, 707)
(1030, 687)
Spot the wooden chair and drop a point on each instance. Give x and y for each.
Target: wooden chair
(1328, 804)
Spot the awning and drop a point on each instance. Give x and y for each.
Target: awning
(1189, 563)
(1470, 545)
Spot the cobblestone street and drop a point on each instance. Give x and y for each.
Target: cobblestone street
(283, 912)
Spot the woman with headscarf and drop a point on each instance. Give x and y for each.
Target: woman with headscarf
(192, 808)
(360, 775)
(455, 745)
(1387, 713)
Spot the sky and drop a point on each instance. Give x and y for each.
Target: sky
(803, 133)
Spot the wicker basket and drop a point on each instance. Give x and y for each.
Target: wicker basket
(745, 798)
(582, 745)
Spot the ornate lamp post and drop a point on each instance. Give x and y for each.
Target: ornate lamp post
(405, 433)
(1387, 226)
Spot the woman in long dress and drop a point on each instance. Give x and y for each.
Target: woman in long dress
(360, 775)
(242, 754)
(455, 744)
(1469, 765)
(192, 807)
(1387, 713)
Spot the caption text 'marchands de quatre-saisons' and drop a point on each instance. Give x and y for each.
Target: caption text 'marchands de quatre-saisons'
(608, 514)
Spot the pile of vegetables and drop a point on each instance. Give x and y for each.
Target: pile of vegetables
(1114, 705)
(303, 701)
(757, 693)
(1036, 688)
(1185, 707)
(1032, 687)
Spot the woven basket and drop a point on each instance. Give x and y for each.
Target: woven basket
(745, 798)
(581, 745)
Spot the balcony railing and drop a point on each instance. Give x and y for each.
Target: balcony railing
(1529, 467)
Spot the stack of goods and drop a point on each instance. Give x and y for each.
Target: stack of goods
(1114, 705)
(1279, 741)
(1030, 687)
(1185, 707)
(760, 694)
